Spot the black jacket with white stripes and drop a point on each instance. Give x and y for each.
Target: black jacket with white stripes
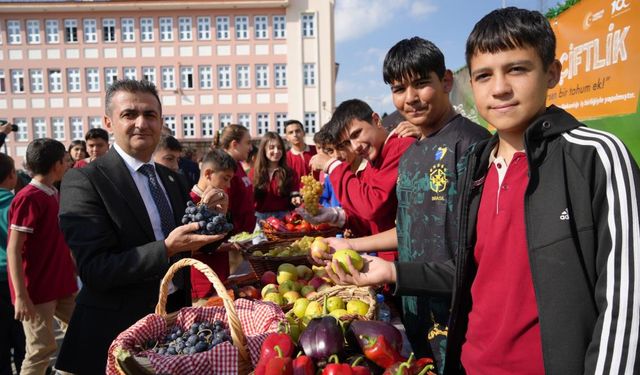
(583, 235)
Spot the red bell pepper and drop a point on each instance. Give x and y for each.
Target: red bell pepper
(282, 340)
(423, 366)
(400, 368)
(279, 365)
(336, 368)
(303, 365)
(380, 351)
(359, 370)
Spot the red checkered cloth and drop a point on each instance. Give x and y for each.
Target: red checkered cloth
(258, 320)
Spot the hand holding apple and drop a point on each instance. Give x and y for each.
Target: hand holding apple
(320, 251)
(376, 271)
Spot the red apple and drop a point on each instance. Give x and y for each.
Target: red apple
(268, 277)
(316, 282)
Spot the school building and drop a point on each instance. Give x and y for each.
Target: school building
(255, 63)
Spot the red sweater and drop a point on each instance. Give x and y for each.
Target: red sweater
(241, 205)
(272, 200)
(300, 162)
(371, 196)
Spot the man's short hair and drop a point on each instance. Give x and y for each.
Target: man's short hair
(219, 160)
(293, 122)
(323, 138)
(130, 86)
(43, 154)
(6, 166)
(510, 28)
(97, 133)
(169, 142)
(412, 58)
(348, 111)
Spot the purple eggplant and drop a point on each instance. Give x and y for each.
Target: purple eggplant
(322, 338)
(373, 328)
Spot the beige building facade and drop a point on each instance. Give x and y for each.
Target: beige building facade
(256, 63)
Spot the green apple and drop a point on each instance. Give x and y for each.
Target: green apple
(335, 303)
(314, 308)
(342, 255)
(287, 274)
(338, 313)
(318, 247)
(357, 307)
(287, 267)
(304, 272)
(306, 290)
(269, 288)
(286, 286)
(300, 307)
(291, 296)
(275, 298)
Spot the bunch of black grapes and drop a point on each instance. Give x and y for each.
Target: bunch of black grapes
(200, 337)
(210, 222)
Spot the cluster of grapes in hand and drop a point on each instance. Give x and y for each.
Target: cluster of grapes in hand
(210, 222)
(311, 192)
(200, 337)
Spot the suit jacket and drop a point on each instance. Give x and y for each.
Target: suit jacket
(108, 229)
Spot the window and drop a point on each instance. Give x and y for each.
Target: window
(242, 75)
(280, 120)
(130, 72)
(310, 122)
(55, 80)
(242, 27)
(73, 79)
(225, 119)
(23, 132)
(184, 27)
(146, 29)
(128, 32)
(95, 122)
(309, 74)
(244, 119)
(77, 128)
(186, 77)
(260, 25)
(3, 88)
(57, 123)
(13, 29)
(308, 25)
(206, 81)
(204, 28)
(281, 75)
(37, 80)
(108, 30)
(224, 76)
(93, 79)
(263, 123)
(279, 27)
(168, 78)
(166, 29)
(206, 123)
(39, 127)
(17, 81)
(90, 31)
(188, 126)
(110, 76)
(170, 122)
(262, 76)
(149, 74)
(33, 31)
(53, 35)
(222, 27)
(71, 31)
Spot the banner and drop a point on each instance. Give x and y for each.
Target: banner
(598, 44)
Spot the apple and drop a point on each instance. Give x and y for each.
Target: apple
(287, 267)
(250, 291)
(304, 272)
(275, 298)
(303, 282)
(318, 248)
(269, 288)
(300, 306)
(342, 255)
(338, 313)
(314, 308)
(357, 307)
(268, 277)
(311, 295)
(335, 303)
(316, 281)
(306, 290)
(291, 296)
(286, 286)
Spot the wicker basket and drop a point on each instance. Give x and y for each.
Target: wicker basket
(128, 363)
(348, 293)
(274, 235)
(261, 264)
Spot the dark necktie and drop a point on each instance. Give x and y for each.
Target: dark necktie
(167, 221)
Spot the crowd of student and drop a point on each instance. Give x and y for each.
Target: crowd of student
(512, 253)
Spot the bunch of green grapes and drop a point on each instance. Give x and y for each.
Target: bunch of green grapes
(311, 192)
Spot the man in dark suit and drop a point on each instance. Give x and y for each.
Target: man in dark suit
(120, 218)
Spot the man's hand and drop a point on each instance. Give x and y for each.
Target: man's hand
(320, 162)
(296, 201)
(6, 128)
(216, 199)
(24, 309)
(324, 257)
(407, 129)
(334, 216)
(183, 239)
(376, 271)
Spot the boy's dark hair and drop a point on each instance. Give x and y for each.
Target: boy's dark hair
(219, 160)
(323, 138)
(412, 58)
(97, 133)
(293, 122)
(43, 154)
(131, 86)
(6, 166)
(510, 28)
(347, 111)
(169, 142)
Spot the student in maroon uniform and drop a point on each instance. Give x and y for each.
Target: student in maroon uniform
(300, 154)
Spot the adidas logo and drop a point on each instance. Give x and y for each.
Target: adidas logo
(565, 214)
